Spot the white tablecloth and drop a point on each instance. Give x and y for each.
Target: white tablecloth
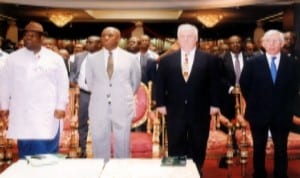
(65, 168)
(147, 168)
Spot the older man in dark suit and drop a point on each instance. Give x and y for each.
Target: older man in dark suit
(187, 85)
(268, 84)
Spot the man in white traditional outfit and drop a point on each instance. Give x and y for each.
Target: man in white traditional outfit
(34, 94)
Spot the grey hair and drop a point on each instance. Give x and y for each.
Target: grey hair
(273, 32)
(187, 26)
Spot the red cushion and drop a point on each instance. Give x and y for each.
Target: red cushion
(216, 144)
(216, 139)
(140, 142)
(141, 100)
(294, 141)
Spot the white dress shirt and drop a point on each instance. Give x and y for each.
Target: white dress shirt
(150, 54)
(81, 78)
(241, 61)
(269, 58)
(115, 56)
(240, 58)
(33, 87)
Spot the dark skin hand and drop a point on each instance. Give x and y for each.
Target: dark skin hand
(59, 114)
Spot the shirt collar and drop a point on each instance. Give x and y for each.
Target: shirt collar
(269, 56)
(190, 54)
(113, 51)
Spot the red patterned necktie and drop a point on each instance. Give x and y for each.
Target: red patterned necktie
(185, 67)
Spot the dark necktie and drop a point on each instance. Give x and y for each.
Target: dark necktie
(273, 68)
(110, 65)
(237, 68)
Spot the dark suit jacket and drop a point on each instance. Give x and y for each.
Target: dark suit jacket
(198, 93)
(267, 102)
(149, 74)
(66, 61)
(148, 69)
(228, 79)
(75, 67)
(297, 99)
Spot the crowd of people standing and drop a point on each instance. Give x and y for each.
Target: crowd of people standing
(192, 83)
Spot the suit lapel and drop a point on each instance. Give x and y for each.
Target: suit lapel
(244, 58)
(230, 66)
(195, 63)
(177, 62)
(281, 70)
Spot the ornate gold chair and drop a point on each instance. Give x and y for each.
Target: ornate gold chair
(142, 144)
(145, 144)
(293, 145)
(217, 140)
(8, 147)
(69, 138)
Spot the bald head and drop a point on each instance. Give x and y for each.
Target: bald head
(110, 38)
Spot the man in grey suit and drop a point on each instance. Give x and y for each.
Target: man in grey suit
(77, 77)
(113, 75)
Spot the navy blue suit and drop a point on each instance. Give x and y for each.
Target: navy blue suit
(269, 106)
(188, 103)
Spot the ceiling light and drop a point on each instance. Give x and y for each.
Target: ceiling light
(134, 14)
(61, 20)
(210, 20)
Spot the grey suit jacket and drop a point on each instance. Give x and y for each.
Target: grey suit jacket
(76, 65)
(117, 93)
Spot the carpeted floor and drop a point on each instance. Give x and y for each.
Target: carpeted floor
(211, 169)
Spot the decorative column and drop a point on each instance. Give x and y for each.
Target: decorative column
(12, 31)
(139, 30)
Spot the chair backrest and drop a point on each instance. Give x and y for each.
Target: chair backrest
(142, 106)
(72, 108)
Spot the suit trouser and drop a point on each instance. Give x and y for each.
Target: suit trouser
(260, 137)
(104, 132)
(188, 136)
(83, 116)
